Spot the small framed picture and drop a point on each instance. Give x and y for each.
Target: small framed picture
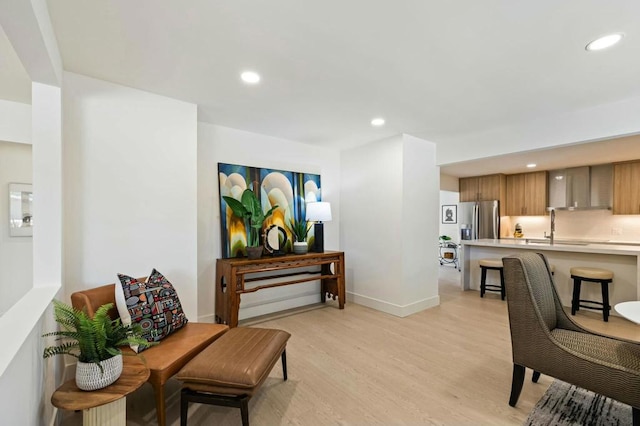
(449, 214)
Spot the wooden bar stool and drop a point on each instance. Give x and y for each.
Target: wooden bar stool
(594, 275)
(493, 264)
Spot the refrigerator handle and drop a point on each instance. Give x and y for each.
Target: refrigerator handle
(496, 222)
(476, 221)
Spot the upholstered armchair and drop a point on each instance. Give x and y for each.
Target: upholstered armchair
(545, 339)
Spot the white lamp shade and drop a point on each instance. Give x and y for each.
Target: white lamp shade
(319, 212)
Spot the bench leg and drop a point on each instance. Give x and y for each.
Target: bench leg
(284, 364)
(184, 408)
(244, 410)
(237, 401)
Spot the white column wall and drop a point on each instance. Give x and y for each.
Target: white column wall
(218, 144)
(371, 198)
(389, 196)
(130, 182)
(24, 376)
(420, 206)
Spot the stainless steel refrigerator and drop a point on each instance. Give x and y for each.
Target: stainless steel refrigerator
(479, 219)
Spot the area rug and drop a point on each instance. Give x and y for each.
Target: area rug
(565, 404)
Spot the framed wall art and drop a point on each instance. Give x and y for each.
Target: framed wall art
(286, 189)
(449, 214)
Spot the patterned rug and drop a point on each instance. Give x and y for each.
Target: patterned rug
(565, 404)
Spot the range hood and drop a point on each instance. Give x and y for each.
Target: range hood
(581, 188)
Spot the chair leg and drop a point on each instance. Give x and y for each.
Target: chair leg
(502, 287)
(284, 364)
(483, 281)
(184, 408)
(536, 376)
(158, 391)
(605, 301)
(516, 384)
(636, 416)
(575, 302)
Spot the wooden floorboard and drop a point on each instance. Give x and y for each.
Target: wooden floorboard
(447, 365)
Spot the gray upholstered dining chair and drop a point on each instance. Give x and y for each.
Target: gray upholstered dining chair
(545, 339)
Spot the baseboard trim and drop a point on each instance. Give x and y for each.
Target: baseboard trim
(392, 308)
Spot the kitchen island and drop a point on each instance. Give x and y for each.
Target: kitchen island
(622, 259)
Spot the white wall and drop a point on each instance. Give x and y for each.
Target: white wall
(16, 253)
(130, 186)
(389, 197)
(217, 144)
(15, 122)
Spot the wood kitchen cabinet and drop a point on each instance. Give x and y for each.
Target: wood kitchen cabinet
(526, 194)
(483, 188)
(626, 188)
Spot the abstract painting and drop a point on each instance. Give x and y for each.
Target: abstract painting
(288, 190)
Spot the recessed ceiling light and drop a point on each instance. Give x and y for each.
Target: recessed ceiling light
(604, 42)
(250, 77)
(377, 122)
(531, 165)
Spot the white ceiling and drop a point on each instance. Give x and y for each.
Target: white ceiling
(433, 69)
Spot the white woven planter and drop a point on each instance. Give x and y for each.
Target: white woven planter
(89, 376)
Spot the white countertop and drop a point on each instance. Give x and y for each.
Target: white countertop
(582, 247)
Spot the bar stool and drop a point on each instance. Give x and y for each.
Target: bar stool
(594, 275)
(493, 264)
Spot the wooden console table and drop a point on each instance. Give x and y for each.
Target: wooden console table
(232, 275)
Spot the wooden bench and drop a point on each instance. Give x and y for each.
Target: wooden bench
(230, 370)
(170, 355)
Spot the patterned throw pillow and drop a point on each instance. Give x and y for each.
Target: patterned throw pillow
(154, 304)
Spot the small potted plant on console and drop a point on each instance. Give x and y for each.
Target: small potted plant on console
(299, 229)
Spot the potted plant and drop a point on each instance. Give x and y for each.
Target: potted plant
(94, 341)
(250, 211)
(299, 229)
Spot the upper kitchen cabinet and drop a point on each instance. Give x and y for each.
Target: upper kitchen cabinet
(626, 188)
(483, 188)
(526, 194)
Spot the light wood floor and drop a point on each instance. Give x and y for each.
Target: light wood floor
(450, 365)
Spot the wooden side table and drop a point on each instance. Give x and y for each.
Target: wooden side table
(106, 406)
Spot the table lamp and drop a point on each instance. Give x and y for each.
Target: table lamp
(318, 212)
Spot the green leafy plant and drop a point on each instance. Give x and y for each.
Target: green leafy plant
(445, 237)
(91, 339)
(249, 210)
(299, 229)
